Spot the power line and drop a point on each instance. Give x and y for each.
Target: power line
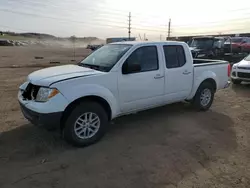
(110, 11)
(109, 25)
(54, 18)
(94, 19)
(243, 19)
(113, 11)
(73, 21)
(92, 11)
(79, 22)
(231, 31)
(119, 22)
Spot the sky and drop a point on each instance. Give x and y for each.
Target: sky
(109, 18)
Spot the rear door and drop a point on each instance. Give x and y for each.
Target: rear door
(178, 73)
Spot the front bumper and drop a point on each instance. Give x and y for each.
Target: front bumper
(47, 114)
(236, 76)
(49, 121)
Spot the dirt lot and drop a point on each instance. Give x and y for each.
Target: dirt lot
(168, 147)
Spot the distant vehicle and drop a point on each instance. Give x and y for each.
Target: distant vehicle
(207, 47)
(94, 47)
(119, 39)
(239, 45)
(115, 80)
(241, 71)
(246, 46)
(4, 42)
(88, 46)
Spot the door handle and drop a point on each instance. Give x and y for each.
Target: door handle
(158, 76)
(186, 72)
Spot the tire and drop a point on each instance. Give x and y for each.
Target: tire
(236, 82)
(85, 110)
(198, 103)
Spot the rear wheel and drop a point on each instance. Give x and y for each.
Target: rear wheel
(236, 81)
(204, 96)
(86, 124)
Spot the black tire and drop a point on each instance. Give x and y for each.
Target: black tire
(236, 82)
(68, 131)
(197, 98)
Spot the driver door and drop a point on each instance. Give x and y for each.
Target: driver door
(141, 81)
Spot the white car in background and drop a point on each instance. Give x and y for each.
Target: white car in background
(241, 71)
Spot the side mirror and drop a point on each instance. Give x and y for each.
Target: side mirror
(130, 68)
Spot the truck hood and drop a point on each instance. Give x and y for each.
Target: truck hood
(48, 76)
(199, 50)
(195, 49)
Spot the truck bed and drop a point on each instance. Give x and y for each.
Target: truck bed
(207, 62)
(218, 67)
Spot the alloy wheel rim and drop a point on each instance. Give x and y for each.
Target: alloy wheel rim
(205, 97)
(87, 125)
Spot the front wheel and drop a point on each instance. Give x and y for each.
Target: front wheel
(204, 97)
(86, 124)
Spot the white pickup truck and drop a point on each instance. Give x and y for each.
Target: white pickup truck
(118, 79)
(241, 71)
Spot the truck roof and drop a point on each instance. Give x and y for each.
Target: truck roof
(149, 42)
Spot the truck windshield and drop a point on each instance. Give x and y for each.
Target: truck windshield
(202, 43)
(105, 57)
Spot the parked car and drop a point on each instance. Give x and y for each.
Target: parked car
(4, 42)
(241, 71)
(238, 44)
(207, 47)
(94, 47)
(246, 46)
(118, 79)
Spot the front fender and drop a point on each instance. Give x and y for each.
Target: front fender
(84, 90)
(198, 80)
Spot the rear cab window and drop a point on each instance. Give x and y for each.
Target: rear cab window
(174, 56)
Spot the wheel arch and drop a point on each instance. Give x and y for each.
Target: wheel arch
(211, 81)
(208, 79)
(90, 98)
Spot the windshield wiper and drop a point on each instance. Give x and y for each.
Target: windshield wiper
(95, 67)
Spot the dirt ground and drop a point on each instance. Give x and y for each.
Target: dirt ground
(168, 147)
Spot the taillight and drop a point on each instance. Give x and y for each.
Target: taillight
(228, 70)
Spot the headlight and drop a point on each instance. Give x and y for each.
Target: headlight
(234, 67)
(44, 94)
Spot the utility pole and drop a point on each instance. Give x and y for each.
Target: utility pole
(144, 36)
(129, 25)
(160, 37)
(73, 39)
(140, 37)
(169, 28)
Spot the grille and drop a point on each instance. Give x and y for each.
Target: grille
(243, 75)
(30, 92)
(246, 68)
